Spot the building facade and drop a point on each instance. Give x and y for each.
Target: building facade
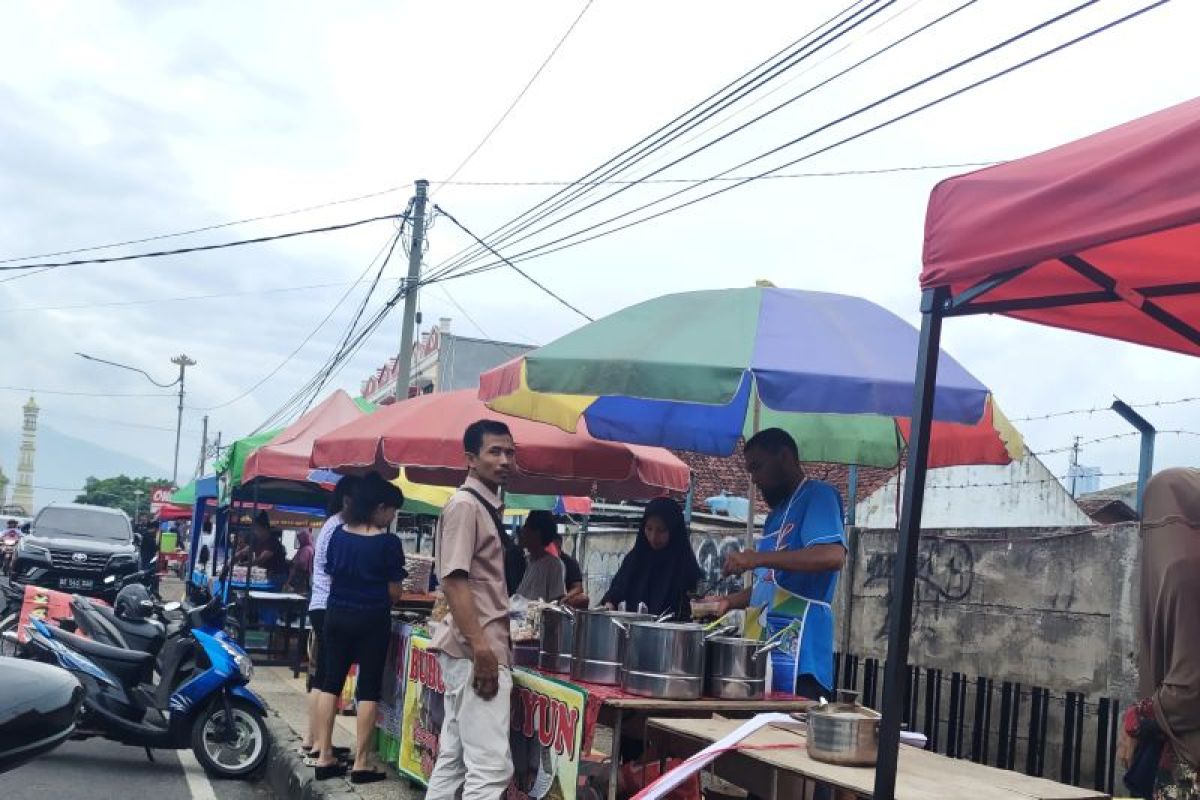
(442, 362)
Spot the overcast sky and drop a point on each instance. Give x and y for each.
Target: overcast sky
(128, 120)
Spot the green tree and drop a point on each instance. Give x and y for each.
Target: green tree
(131, 495)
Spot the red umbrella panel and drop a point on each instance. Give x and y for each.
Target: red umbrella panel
(425, 435)
(286, 456)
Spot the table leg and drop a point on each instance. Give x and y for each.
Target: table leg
(614, 768)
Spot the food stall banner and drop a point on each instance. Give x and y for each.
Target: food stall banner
(391, 700)
(546, 727)
(546, 737)
(424, 710)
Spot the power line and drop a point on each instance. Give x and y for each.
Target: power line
(200, 248)
(670, 130)
(529, 84)
(204, 229)
(67, 393)
(519, 271)
(732, 178)
(160, 300)
(390, 243)
(544, 249)
(526, 234)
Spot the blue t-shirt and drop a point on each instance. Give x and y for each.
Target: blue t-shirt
(812, 516)
(361, 567)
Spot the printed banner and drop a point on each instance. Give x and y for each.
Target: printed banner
(546, 737)
(47, 605)
(391, 700)
(424, 710)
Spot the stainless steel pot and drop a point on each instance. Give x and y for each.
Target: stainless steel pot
(558, 639)
(736, 669)
(600, 645)
(844, 732)
(664, 660)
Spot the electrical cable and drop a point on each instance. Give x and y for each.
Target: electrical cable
(744, 126)
(42, 267)
(673, 128)
(542, 249)
(203, 229)
(519, 271)
(307, 338)
(511, 106)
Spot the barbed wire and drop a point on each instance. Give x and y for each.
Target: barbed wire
(1097, 409)
(1111, 437)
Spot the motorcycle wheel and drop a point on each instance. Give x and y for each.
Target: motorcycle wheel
(8, 625)
(239, 758)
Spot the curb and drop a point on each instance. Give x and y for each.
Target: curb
(286, 774)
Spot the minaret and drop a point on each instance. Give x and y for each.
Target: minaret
(23, 494)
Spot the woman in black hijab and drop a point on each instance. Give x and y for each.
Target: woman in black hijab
(661, 570)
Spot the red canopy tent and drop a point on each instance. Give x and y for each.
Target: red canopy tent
(286, 456)
(1101, 236)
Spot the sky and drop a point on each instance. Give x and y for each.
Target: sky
(127, 120)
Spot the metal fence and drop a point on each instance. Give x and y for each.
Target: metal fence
(1066, 737)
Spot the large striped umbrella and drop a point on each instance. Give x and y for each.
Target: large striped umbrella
(699, 370)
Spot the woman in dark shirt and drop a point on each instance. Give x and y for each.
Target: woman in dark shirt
(366, 564)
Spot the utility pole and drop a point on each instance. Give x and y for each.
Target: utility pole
(404, 359)
(183, 362)
(1073, 470)
(203, 448)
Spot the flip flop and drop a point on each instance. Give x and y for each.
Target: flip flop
(367, 776)
(331, 771)
(338, 752)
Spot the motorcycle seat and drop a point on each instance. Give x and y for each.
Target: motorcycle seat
(130, 666)
(137, 633)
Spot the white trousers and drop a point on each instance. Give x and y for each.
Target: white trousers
(473, 749)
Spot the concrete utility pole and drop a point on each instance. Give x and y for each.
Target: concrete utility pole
(404, 359)
(183, 362)
(1073, 470)
(203, 448)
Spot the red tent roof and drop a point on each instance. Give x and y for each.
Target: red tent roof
(286, 456)
(1101, 235)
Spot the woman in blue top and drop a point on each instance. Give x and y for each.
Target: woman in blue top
(366, 564)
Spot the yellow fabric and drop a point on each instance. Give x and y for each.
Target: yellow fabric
(560, 410)
(1014, 443)
(437, 496)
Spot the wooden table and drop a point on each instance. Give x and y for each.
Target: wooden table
(284, 603)
(614, 712)
(921, 775)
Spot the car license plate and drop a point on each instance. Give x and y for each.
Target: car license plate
(85, 584)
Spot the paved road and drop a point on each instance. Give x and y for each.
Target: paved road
(96, 769)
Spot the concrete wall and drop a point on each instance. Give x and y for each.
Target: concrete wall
(1023, 494)
(1049, 608)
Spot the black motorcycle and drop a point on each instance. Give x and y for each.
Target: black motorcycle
(38, 710)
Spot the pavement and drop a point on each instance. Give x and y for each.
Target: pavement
(95, 768)
(286, 774)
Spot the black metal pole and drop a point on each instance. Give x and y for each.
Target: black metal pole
(903, 576)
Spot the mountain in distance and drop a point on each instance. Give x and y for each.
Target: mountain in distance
(64, 462)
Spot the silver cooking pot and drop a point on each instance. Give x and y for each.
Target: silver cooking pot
(844, 732)
(664, 660)
(558, 639)
(600, 644)
(736, 668)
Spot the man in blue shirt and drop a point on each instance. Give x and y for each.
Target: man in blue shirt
(795, 565)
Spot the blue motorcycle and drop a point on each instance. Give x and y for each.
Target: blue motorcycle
(200, 700)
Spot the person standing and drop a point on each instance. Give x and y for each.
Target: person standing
(317, 603)
(576, 596)
(795, 566)
(1160, 741)
(472, 642)
(545, 577)
(149, 553)
(366, 564)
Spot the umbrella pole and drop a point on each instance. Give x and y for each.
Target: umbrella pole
(905, 569)
(755, 423)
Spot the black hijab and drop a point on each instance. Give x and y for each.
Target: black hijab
(663, 578)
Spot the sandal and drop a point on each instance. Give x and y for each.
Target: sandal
(338, 753)
(367, 776)
(331, 771)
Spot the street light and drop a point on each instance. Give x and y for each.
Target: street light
(183, 362)
(137, 504)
